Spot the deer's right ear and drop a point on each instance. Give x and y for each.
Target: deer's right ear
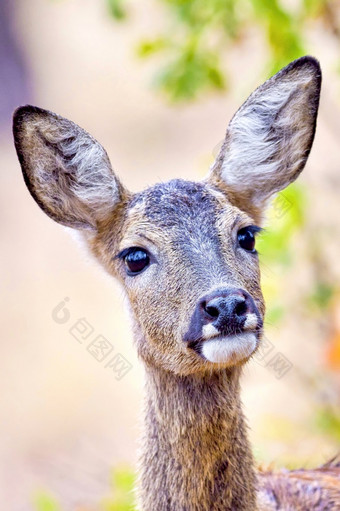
(269, 139)
(67, 171)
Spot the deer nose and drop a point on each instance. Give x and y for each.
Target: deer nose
(229, 311)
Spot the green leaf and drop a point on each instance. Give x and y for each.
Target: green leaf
(45, 502)
(328, 421)
(116, 9)
(148, 47)
(321, 295)
(193, 69)
(123, 479)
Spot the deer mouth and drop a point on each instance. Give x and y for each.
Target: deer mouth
(227, 349)
(231, 349)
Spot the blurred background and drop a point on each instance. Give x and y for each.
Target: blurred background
(156, 82)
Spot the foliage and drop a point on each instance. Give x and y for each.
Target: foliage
(321, 295)
(45, 502)
(285, 218)
(116, 9)
(122, 498)
(328, 421)
(198, 35)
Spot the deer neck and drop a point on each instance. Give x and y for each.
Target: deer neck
(195, 453)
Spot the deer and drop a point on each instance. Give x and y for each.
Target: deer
(185, 254)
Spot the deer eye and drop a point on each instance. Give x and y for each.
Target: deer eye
(135, 259)
(246, 237)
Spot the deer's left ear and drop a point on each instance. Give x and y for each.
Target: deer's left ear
(269, 139)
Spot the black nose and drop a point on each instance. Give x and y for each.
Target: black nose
(227, 310)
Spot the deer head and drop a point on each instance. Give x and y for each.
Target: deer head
(183, 251)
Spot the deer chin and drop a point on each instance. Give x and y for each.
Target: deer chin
(229, 350)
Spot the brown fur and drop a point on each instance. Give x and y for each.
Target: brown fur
(195, 452)
(301, 490)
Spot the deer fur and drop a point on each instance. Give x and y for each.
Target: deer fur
(195, 450)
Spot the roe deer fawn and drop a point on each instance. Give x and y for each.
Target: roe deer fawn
(185, 254)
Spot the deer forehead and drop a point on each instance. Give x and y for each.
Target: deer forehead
(183, 215)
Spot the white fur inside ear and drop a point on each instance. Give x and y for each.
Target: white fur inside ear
(94, 183)
(229, 350)
(268, 137)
